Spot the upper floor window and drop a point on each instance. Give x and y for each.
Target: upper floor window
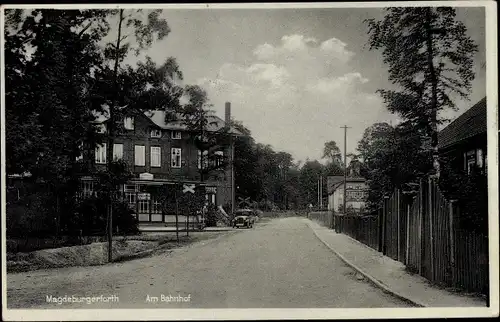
(140, 155)
(80, 152)
(176, 157)
(219, 157)
(156, 133)
(117, 151)
(101, 128)
(176, 135)
(202, 159)
(100, 153)
(128, 123)
(155, 156)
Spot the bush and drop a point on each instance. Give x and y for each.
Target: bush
(30, 217)
(91, 218)
(211, 216)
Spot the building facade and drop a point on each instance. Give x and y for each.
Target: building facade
(356, 194)
(163, 156)
(463, 142)
(356, 190)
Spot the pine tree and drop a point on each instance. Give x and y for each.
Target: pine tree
(430, 57)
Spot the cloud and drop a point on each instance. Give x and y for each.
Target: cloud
(295, 95)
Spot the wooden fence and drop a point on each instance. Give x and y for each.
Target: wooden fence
(362, 228)
(422, 233)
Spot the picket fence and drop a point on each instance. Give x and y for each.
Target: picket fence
(422, 233)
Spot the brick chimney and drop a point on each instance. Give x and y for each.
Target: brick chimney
(227, 115)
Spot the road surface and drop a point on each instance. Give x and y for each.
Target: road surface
(278, 264)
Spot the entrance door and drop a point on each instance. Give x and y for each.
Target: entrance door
(144, 206)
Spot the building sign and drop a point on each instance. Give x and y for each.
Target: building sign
(143, 196)
(211, 189)
(188, 188)
(146, 176)
(358, 195)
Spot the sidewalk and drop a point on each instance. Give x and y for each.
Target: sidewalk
(182, 228)
(389, 274)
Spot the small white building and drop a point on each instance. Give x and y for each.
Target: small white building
(356, 187)
(356, 194)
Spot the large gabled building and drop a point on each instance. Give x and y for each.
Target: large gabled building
(161, 153)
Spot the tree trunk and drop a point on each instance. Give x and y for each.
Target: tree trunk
(110, 129)
(434, 83)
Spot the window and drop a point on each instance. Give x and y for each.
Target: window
(101, 128)
(117, 151)
(155, 156)
(479, 157)
(203, 159)
(156, 133)
(156, 207)
(87, 188)
(219, 158)
(80, 151)
(100, 154)
(176, 157)
(470, 161)
(140, 155)
(143, 206)
(176, 135)
(130, 195)
(130, 198)
(128, 123)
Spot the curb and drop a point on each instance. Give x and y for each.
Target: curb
(370, 278)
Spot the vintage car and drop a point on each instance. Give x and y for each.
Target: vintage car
(243, 218)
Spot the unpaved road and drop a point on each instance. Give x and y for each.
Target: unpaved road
(279, 264)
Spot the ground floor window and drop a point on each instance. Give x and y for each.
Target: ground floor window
(87, 188)
(156, 206)
(143, 206)
(131, 199)
(474, 158)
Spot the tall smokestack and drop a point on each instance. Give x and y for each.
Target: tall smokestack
(228, 113)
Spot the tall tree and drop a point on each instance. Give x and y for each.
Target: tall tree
(332, 152)
(145, 31)
(393, 157)
(209, 137)
(309, 176)
(430, 57)
(247, 182)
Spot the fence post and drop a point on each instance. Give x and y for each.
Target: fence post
(431, 225)
(420, 223)
(384, 225)
(451, 235)
(398, 221)
(407, 251)
(379, 230)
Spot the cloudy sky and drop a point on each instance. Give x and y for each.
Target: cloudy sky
(293, 76)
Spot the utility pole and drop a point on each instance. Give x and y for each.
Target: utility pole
(345, 166)
(317, 192)
(321, 192)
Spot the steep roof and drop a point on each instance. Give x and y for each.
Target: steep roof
(471, 123)
(215, 123)
(333, 182)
